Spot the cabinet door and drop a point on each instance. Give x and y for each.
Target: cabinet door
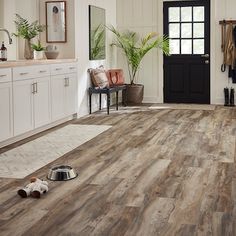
(6, 129)
(23, 106)
(58, 96)
(71, 94)
(42, 102)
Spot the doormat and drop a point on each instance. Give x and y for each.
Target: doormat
(27, 158)
(183, 107)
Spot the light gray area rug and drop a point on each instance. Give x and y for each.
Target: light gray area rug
(183, 107)
(27, 158)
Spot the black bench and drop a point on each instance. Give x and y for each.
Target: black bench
(108, 92)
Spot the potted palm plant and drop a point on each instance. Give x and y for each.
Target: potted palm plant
(134, 49)
(27, 31)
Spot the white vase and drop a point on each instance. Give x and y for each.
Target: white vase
(38, 55)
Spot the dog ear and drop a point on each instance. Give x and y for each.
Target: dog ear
(33, 179)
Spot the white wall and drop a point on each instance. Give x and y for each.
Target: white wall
(147, 15)
(219, 10)
(8, 12)
(8, 8)
(28, 9)
(141, 16)
(82, 47)
(1, 20)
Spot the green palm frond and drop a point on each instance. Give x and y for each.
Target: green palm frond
(27, 30)
(135, 48)
(98, 43)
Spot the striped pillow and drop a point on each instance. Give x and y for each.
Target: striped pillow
(99, 77)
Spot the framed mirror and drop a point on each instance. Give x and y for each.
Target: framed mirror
(56, 21)
(97, 33)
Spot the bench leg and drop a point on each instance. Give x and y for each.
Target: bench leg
(108, 103)
(117, 100)
(100, 101)
(90, 103)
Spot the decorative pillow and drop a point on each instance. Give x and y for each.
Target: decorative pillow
(99, 77)
(115, 77)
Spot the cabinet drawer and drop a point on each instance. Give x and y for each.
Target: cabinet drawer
(29, 72)
(58, 69)
(5, 75)
(42, 71)
(22, 73)
(71, 68)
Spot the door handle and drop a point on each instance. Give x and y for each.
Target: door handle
(205, 55)
(207, 61)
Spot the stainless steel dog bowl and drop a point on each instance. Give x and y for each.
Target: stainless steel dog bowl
(62, 173)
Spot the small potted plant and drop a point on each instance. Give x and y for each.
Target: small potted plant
(38, 50)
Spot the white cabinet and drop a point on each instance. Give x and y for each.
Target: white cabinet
(33, 96)
(71, 94)
(6, 118)
(31, 100)
(42, 102)
(63, 90)
(23, 106)
(58, 96)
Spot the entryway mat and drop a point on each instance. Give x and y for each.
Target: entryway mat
(183, 106)
(27, 158)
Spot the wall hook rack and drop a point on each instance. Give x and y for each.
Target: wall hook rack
(227, 22)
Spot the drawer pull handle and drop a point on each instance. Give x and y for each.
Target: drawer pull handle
(24, 73)
(3, 75)
(42, 71)
(71, 68)
(58, 68)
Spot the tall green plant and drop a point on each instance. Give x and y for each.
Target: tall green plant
(27, 30)
(135, 48)
(98, 43)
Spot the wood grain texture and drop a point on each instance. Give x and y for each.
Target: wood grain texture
(155, 172)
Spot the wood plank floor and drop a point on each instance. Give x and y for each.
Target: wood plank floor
(155, 172)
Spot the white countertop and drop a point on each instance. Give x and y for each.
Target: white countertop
(15, 63)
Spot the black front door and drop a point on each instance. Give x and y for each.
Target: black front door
(187, 69)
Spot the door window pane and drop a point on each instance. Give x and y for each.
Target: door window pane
(198, 46)
(186, 46)
(174, 31)
(198, 13)
(198, 30)
(174, 14)
(174, 46)
(186, 30)
(186, 14)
